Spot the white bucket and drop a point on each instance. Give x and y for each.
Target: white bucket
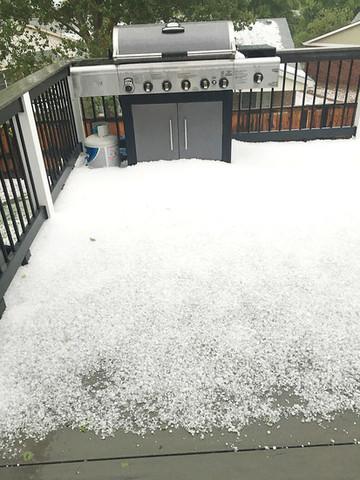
(102, 150)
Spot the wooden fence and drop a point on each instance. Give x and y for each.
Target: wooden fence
(293, 118)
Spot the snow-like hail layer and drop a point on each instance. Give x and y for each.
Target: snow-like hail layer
(259, 33)
(190, 293)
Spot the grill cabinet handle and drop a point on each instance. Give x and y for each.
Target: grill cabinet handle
(173, 27)
(171, 136)
(185, 134)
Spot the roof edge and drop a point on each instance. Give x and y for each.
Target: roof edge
(311, 42)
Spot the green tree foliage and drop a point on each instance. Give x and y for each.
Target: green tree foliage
(22, 51)
(91, 21)
(317, 17)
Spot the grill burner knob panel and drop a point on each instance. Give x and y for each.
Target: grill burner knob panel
(166, 85)
(186, 84)
(223, 82)
(205, 84)
(258, 77)
(148, 86)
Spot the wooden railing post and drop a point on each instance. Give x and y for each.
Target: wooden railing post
(34, 152)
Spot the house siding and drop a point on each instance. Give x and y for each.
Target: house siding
(350, 36)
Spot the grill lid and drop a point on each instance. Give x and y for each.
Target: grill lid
(174, 41)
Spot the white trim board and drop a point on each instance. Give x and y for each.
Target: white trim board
(334, 45)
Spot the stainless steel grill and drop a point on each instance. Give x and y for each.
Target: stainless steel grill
(175, 84)
(187, 57)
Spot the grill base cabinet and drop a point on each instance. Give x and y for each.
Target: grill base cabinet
(173, 126)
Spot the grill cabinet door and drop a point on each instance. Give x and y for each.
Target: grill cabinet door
(156, 131)
(200, 130)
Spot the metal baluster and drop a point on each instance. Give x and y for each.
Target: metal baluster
(33, 195)
(271, 108)
(347, 92)
(6, 225)
(9, 174)
(84, 116)
(249, 111)
(50, 144)
(324, 112)
(49, 122)
(116, 117)
(67, 98)
(93, 106)
(63, 113)
(58, 130)
(47, 143)
(104, 107)
(8, 200)
(260, 110)
(356, 104)
(293, 97)
(17, 158)
(282, 97)
(315, 89)
(4, 249)
(336, 94)
(119, 113)
(238, 113)
(304, 96)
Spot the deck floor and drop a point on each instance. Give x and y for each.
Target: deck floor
(192, 296)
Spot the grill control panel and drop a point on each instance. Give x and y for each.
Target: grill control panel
(205, 75)
(176, 77)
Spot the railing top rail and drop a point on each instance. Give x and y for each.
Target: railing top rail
(286, 55)
(10, 96)
(40, 80)
(87, 62)
(312, 54)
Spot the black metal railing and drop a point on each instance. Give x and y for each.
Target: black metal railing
(21, 214)
(56, 128)
(19, 201)
(317, 97)
(103, 109)
(21, 210)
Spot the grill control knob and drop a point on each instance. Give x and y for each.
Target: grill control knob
(223, 82)
(258, 77)
(148, 86)
(205, 84)
(166, 85)
(129, 85)
(185, 84)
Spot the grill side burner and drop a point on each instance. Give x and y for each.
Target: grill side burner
(174, 65)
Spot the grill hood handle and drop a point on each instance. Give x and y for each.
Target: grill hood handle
(173, 27)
